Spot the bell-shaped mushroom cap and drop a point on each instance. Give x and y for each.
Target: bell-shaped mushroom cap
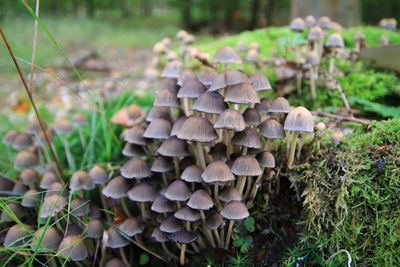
(359, 36)
(178, 191)
(171, 225)
(134, 135)
(312, 58)
(210, 102)
(320, 127)
(116, 188)
(218, 82)
(227, 55)
(158, 129)
(162, 205)
(191, 89)
(169, 83)
(173, 147)
(184, 237)
(115, 262)
(263, 106)
(159, 236)
(299, 120)
(157, 113)
(253, 55)
(52, 205)
(247, 138)
(233, 77)
(9, 137)
(266, 159)
(297, 25)
(192, 174)
(235, 210)
(324, 22)
(5, 184)
(16, 235)
(198, 129)
(186, 75)
(48, 179)
(79, 119)
(200, 200)
(230, 119)
(271, 128)
(335, 40)
(217, 172)
(73, 248)
(229, 194)
(94, 228)
(135, 168)
(218, 151)
(29, 177)
(252, 117)
(133, 151)
(13, 209)
(187, 214)
(172, 70)
(26, 159)
(279, 105)
(162, 165)
(207, 76)
(246, 166)
(178, 125)
(113, 239)
(19, 188)
(79, 207)
(63, 126)
(142, 192)
(242, 93)
(46, 238)
(81, 180)
(131, 227)
(98, 175)
(166, 98)
(315, 34)
(309, 21)
(22, 141)
(55, 189)
(241, 46)
(30, 199)
(260, 82)
(214, 221)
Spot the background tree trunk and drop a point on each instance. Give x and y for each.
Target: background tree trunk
(255, 6)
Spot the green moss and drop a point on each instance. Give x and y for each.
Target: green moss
(351, 199)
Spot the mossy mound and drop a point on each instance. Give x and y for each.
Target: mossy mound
(351, 200)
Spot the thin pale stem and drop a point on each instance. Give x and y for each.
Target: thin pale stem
(228, 234)
(201, 155)
(182, 256)
(176, 166)
(292, 149)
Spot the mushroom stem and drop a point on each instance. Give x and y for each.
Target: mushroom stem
(168, 252)
(312, 83)
(178, 205)
(71, 162)
(216, 197)
(104, 201)
(300, 146)
(299, 77)
(165, 180)
(125, 208)
(123, 256)
(217, 237)
(332, 62)
(241, 183)
(200, 153)
(227, 143)
(228, 234)
(185, 106)
(254, 190)
(143, 210)
(344, 99)
(248, 187)
(244, 150)
(176, 166)
(292, 149)
(182, 256)
(268, 144)
(206, 230)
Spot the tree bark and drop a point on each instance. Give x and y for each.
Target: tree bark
(254, 14)
(269, 12)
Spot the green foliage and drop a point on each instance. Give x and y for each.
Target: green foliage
(244, 239)
(239, 260)
(380, 109)
(351, 200)
(144, 259)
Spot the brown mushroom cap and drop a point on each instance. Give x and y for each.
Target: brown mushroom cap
(309, 21)
(299, 120)
(184, 237)
(166, 98)
(73, 248)
(178, 125)
(271, 128)
(114, 239)
(55, 189)
(178, 191)
(162, 205)
(200, 200)
(158, 113)
(260, 82)
(229, 194)
(235, 210)
(26, 159)
(159, 236)
(48, 179)
(29, 177)
(248, 138)
(324, 22)
(5, 184)
(98, 175)
(210, 102)
(173, 147)
(162, 165)
(217, 172)
(115, 262)
(252, 117)
(171, 225)
(142, 192)
(134, 135)
(116, 188)
(198, 129)
(191, 89)
(246, 166)
(263, 106)
(52, 205)
(242, 93)
(335, 40)
(214, 221)
(192, 174)
(22, 141)
(46, 238)
(133, 151)
(94, 228)
(63, 126)
(30, 199)
(131, 227)
(315, 34)
(207, 76)
(19, 188)
(173, 69)
(297, 25)
(226, 55)
(16, 235)
(9, 137)
(187, 214)
(279, 105)
(230, 119)
(266, 159)
(79, 207)
(253, 55)
(158, 129)
(81, 180)
(135, 168)
(186, 75)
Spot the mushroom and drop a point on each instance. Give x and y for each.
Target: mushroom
(178, 191)
(172, 69)
(175, 148)
(272, 130)
(299, 120)
(142, 193)
(162, 165)
(184, 237)
(94, 228)
(227, 55)
(22, 141)
(190, 90)
(29, 177)
(46, 238)
(243, 167)
(210, 103)
(234, 210)
(73, 248)
(335, 42)
(309, 21)
(26, 159)
(312, 60)
(17, 235)
(81, 180)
